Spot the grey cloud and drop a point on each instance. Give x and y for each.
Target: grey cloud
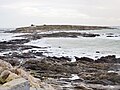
(14, 13)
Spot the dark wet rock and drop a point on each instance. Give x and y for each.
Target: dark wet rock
(59, 34)
(64, 58)
(97, 51)
(6, 47)
(10, 47)
(16, 44)
(108, 59)
(12, 61)
(84, 59)
(116, 36)
(33, 65)
(69, 34)
(59, 47)
(96, 56)
(62, 34)
(110, 36)
(24, 55)
(50, 66)
(90, 35)
(38, 53)
(59, 59)
(15, 41)
(20, 55)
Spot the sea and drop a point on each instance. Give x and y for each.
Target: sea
(108, 43)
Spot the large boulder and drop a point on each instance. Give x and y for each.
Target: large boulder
(5, 64)
(9, 73)
(7, 76)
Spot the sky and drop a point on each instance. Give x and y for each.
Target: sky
(17, 13)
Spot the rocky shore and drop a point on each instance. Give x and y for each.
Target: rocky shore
(59, 73)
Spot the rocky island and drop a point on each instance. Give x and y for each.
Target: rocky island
(43, 28)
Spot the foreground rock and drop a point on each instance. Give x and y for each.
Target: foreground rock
(16, 84)
(9, 78)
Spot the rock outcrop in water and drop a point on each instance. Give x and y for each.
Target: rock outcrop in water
(58, 34)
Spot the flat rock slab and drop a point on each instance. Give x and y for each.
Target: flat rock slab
(16, 84)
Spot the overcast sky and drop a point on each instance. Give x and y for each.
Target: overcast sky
(15, 13)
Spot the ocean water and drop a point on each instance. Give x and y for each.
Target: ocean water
(93, 47)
